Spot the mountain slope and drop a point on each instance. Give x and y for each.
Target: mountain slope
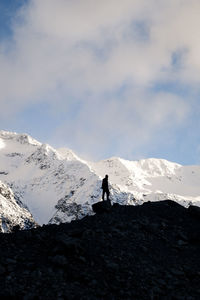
(153, 179)
(12, 211)
(54, 185)
(146, 252)
(58, 186)
(40, 176)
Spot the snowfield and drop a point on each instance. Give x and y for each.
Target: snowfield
(58, 186)
(13, 212)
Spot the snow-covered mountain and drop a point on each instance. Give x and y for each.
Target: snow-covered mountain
(13, 212)
(58, 186)
(153, 179)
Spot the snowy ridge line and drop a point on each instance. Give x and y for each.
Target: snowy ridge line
(23, 138)
(58, 186)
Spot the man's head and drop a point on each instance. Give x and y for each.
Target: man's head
(106, 176)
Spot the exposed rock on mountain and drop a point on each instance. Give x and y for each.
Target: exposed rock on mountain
(12, 212)
(143, 252)
(58, 186)
(52, 184)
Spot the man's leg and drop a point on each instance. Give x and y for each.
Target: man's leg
(103, 194)
(107, 194)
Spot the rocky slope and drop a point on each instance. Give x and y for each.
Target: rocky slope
(57, 186)
(143, 252)
(12, 212)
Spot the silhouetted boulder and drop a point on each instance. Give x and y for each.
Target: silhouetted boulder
(16, 228)
(101, 207)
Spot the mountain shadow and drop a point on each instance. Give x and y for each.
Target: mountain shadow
(125, 252)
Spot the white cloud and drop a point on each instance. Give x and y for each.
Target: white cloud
(69, 38)
(89, 50)
(122, 127)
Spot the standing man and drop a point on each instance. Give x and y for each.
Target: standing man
(105, 188)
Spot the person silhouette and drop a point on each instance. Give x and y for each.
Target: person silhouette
(105, 188)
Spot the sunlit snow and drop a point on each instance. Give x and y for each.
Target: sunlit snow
(55, 184)
(2, 144)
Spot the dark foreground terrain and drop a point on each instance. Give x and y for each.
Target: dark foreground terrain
(144, 252)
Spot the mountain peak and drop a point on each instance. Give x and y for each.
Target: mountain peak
(67, 154)
(22, 138)
(59, 186)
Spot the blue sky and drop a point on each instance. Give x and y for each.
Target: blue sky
(104, 78)
(8, 10)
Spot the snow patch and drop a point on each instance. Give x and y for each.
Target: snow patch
(2, 144)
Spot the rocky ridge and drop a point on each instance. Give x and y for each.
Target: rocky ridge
(146, 252)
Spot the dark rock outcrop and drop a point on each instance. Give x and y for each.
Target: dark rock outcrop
(143, 252)
(101, 207)
(194, 210)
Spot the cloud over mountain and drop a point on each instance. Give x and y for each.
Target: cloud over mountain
(119, 69)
